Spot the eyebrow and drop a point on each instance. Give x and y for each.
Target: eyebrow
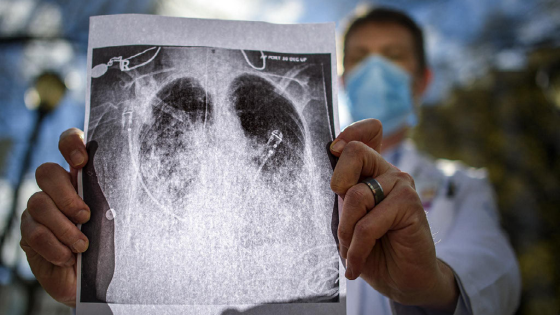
(357, 50)
(398, 44)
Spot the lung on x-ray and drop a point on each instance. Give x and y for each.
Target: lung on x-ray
(208, 178)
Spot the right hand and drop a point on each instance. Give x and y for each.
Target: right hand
(49, 236)
(390, 244)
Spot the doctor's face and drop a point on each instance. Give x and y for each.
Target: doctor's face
(389, 40)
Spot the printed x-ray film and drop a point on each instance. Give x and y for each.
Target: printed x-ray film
(208, 174)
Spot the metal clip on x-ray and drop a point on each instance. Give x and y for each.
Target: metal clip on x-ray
(273, 141)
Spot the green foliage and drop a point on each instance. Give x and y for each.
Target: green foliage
(505, 123)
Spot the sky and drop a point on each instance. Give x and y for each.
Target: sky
(464, 38)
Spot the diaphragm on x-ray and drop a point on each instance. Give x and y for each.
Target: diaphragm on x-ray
(208, 174)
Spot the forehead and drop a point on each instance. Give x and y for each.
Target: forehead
(374, 37)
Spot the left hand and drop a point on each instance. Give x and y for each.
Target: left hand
(389, 244)
(49, 236)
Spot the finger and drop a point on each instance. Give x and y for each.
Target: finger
(368, 131)
(401, 209)
(74, 178)
(56, 183)
(356, 204)
(358, 201)
(71, 145)
(357, 161)
(44, 211)
(37, 238)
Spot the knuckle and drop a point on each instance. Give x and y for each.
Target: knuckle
(66, 233)
(415, 219)
(70, 204)
(373, 125)
(376, 131)
(24, 217)
(23, 225)
(354, 195)
(354, 148)
(408, 195)
(36, 236)
(352, 128)
(376, 123)
(362, 230)
(46, 170)
(61, 257)
(344, 236)
(36, 203)
(23, 245)
(338, 185)
(365, 124)
(405, 177)
(418, 218)
(409, 199)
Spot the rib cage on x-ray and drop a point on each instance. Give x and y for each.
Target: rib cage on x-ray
(215, 180)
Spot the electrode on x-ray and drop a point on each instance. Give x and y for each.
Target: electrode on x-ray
(123, 63)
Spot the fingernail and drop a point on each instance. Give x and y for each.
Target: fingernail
(338, 145)
(70, 262)
(76, 157)
(82, 216)
(79, 246)
(349, 275)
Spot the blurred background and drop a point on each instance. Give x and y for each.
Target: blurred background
(494, 103)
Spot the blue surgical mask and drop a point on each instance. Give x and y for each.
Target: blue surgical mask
(379, 89)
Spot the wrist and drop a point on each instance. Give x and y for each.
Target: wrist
(445, 294)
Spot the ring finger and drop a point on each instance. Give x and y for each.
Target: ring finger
(45, 212)
(41, 240)
(359, 200)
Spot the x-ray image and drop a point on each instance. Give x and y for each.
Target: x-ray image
(208, 178)
(209, 163)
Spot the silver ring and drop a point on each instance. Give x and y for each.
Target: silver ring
(376, 189)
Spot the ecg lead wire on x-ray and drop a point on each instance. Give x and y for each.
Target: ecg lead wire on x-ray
(250, 64)
(326, 102)
(136, 168)
(102, 68)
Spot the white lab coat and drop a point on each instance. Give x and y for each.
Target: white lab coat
(465, 224)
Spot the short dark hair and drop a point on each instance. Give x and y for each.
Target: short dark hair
(386, 15)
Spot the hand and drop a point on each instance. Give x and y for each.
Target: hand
(390, 244)
(49, 236)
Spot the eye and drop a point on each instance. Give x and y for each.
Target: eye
(355, 58)
(395, 55)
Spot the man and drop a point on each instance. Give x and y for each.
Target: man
(385, 77)
(384, 235)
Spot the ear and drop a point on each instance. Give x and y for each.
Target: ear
(423, 82)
